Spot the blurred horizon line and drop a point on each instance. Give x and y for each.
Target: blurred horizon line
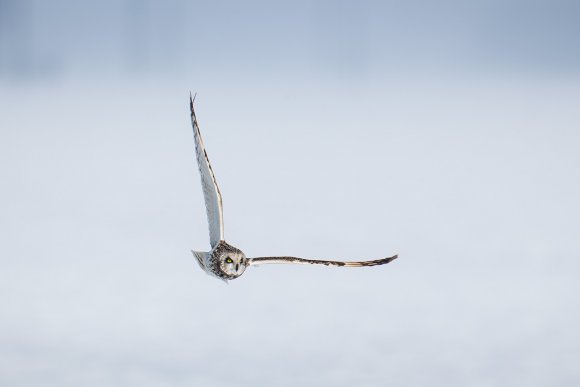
(344, 38)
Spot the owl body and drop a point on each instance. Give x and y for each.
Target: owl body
(224, 261)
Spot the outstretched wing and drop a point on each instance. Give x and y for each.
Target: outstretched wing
(211, 192)
(303, 261)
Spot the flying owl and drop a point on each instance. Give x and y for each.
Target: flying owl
(225, 261)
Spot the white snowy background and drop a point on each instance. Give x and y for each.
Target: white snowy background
(446, 133)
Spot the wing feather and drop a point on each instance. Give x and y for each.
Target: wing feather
(303, 261)
(211, 192)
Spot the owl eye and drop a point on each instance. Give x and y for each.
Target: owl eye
(229, 260)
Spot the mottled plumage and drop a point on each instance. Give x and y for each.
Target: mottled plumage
(225, 261)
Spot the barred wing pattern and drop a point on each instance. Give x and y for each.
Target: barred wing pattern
(303, 261)
(211, 192)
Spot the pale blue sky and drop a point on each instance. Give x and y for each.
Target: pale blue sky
(340, 38)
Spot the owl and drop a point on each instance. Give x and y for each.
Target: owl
(225, 261)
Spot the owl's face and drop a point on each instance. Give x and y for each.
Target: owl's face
(232, 263)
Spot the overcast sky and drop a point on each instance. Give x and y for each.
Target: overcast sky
(447, 134)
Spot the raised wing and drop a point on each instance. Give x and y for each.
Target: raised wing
(211, 192)
(303, 261)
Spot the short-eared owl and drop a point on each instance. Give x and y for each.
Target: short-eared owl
(225, 261)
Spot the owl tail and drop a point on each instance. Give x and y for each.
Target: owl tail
(202, 258)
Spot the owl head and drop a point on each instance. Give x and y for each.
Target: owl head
(224, 261)
(231, 263)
